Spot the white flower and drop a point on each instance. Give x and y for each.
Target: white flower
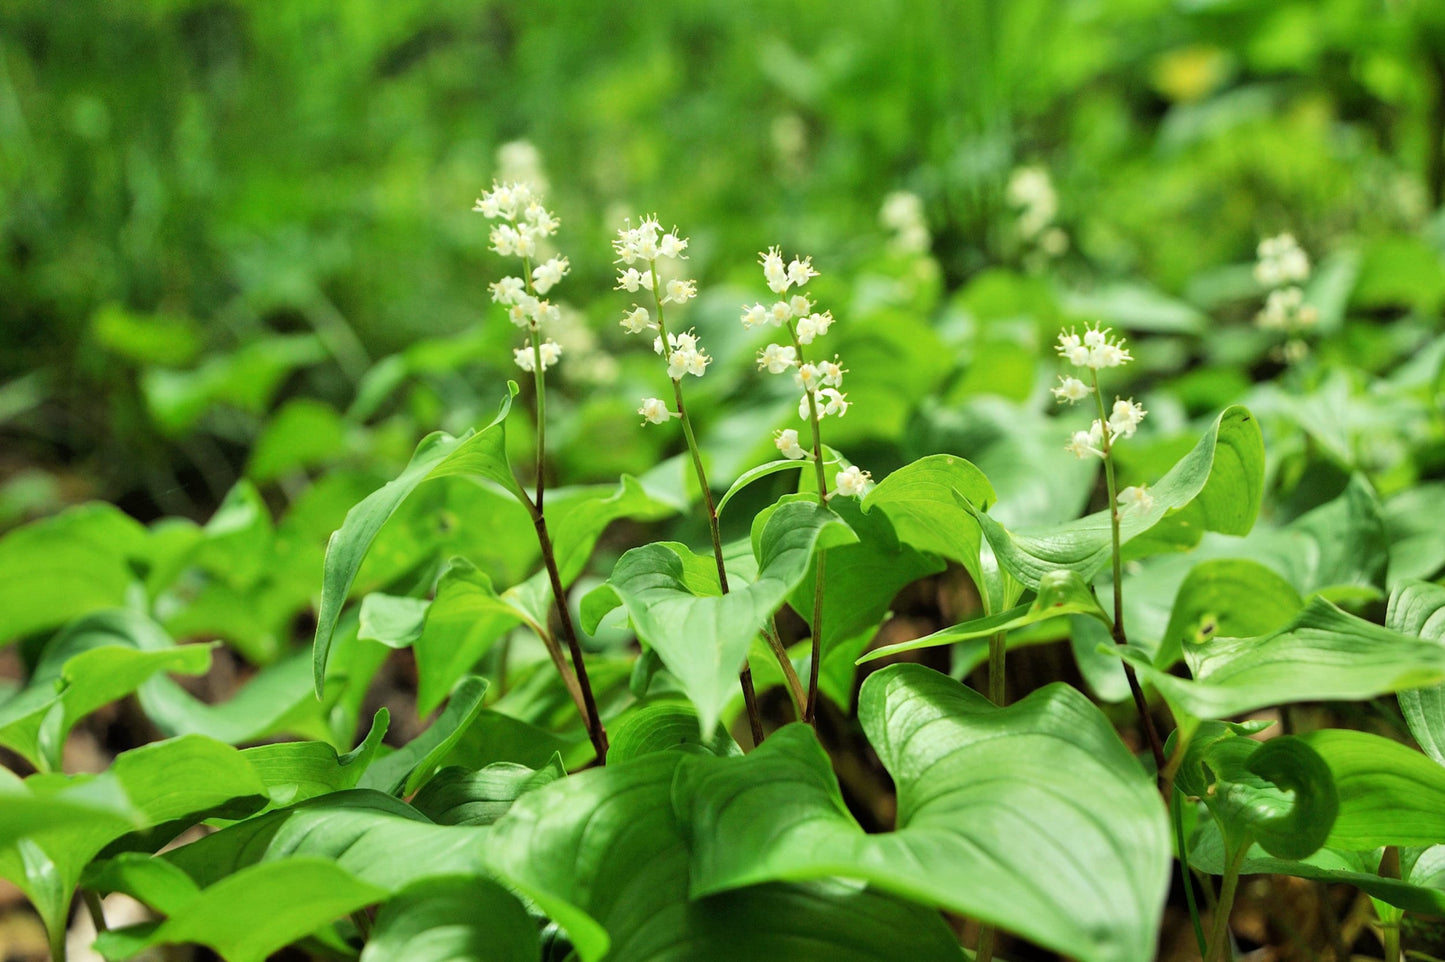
(1281, 261)
(686, 341)
(631, 279)
(543, 222)
(1137, 499)
(1088, 443)
(777, 358)
(787, 443)
(773, 270)
(680, 292)
(780, 313)
(523, 311)
(800, 305)
(814, 325)
(671, 245)
(504, 238)
(852, 483)
(800, 270)
(1125, 418)
(1285, 310)
(755, 315)
(526, 359)
(545, 313)
(507, 290)
(834, 402)
(1072, 349)
(549, 273)
(1071, 389)
(807, 376)
(832, 373)
(686, 360)
(637, 320)
(526, 241)
(1095, 350)
(655, 410)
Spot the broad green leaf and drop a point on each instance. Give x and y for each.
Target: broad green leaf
(277, 699)
(1279, 793)
(702, 638)
(96, 660)
(757, 474)
(861, 577)
(1325, 654)
(1060, 594)
(170, 786)
(986, 795)
(262, 908)
(245, 378)
(457, 796)
(375, 838)
(409, 766)
(1226, 598)
(1215, 487)
(481, 454)
(237, 542)
(577, 517)
(149, 879)
(919, 500)
(394, 620)
(452, 919)
(60, 568)
(1415, 537)
(1418, 608)
(62, 807)
(304, 433)
(1389, 794)
(495, 737)
(463, 622)
(1338, 549)
(296, 771)
(664, 725)
(603, 854)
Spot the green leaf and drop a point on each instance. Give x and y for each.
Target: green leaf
(757, 474)
(260, 909)
(576, 518)
(451, 919)
(1226, 598)
(1279, 793)
(296, 771)
(702, 638)
(1060, 594)
(986, 796)
(481, 454)
(1389, 793)
(408, 767)
(245, 378)
(57, 569)
(603, 854)
(96, 660)
(664, 725)
(1339, 547)
(394, 620)
(1416, 540)
(1418, 608)
(277, 699)
(921, 502)
(304, 433)
(458, 796)
(463, 622)
(1215, 487)
(1325, 654)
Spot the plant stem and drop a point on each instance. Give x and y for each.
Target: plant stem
(1219, 932)
(810, 708)
(590, 715)
(986, 936)
(1176, 811)
(795, 685)
(997, 651)
(745, 673)
(1390, 927)
(539, 378)
(1151, 734)
(96, 910)
(57, 942)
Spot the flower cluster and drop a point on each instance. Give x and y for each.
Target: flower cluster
(1283, 266)
(640, 249)
(902, 213)
(1031, 192)
(1093, 350)
(821, 382)
(524, 222)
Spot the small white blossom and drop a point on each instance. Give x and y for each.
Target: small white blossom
(655, 410)
(507, 290)
(774, 272)
(1090, 443)
(1094, 350)
(505, 239)
(526, 359)
(833, 402)
(523, 311)
(787, 443)
(800, 271)
(831, 372)
(632, 279)
(671, 245)
(1125, 418)
(780, 314)
(1071, 389)
(637, 320)
(1137, 499)
(777, 358)
(1285, 310)
(807, 376)
(1031, 189)
(548, 274)
(852, 483)
(813, 326)
(800, 305)
(755, 315)
(1281, 261)
(680, 292)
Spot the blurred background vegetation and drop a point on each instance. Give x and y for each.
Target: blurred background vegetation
(236, 238)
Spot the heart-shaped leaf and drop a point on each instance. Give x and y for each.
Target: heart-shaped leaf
(986, 795)
(1389, 793)
(450, 919)
(603, 854)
